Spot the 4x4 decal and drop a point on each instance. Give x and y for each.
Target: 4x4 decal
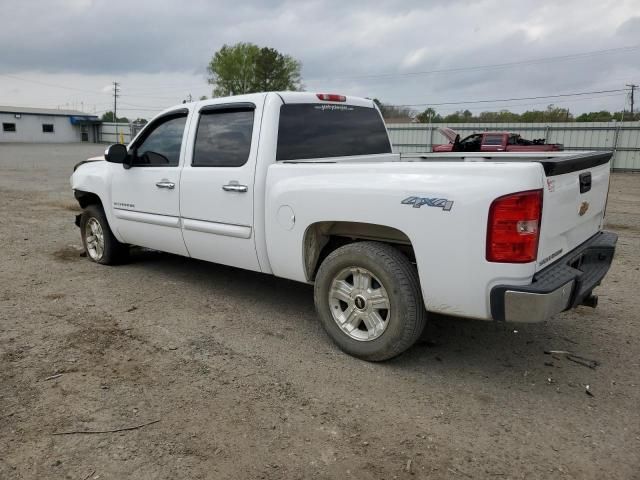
(417, 202)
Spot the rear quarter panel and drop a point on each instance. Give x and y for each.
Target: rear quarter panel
(449, 245)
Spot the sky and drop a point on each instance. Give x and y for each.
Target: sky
(451, 54)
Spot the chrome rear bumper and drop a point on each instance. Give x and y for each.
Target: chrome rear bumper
(566, 284)
(536, 307)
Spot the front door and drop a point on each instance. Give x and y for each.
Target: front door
(146, 197)
(216, 195)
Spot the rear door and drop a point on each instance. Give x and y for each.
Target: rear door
(575, 197)
(217, 184)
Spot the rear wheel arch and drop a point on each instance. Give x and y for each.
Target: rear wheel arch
(322, 238)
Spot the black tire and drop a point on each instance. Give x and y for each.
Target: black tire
(113, 252)
(406, 316)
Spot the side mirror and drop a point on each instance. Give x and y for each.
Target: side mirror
(116, 153)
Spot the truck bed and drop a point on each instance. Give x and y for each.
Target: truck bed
(554, 163)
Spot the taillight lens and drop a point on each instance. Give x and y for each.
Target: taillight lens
(513, 230)
(331, 97)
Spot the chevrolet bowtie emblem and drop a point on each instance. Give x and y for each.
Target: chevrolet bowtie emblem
(583, 208)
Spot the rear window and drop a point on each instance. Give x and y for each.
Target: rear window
(329, 130)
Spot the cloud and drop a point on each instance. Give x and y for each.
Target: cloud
(413, 58)
(342, 45)
(630, 30)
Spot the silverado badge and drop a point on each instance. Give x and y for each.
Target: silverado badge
(583, 208)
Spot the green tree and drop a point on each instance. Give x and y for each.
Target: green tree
(247, 68)
(394, 113)
(429, 116)
(275, 71)
(455, 117)
(108, 117)
(601, 116)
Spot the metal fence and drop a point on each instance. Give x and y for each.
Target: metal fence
(621, 137)
(108, 132)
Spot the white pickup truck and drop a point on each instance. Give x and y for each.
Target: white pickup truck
(305, 186)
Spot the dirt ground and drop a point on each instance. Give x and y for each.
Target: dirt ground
(242, 382)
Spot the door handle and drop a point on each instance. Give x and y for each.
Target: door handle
(165, 184)
(234, 187)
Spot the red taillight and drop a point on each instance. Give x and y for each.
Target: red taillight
(514, 227)
(331, 97)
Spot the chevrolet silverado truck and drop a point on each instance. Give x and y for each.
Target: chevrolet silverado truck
(305, 187)
(493, 142)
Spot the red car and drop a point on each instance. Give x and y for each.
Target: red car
(493, 142)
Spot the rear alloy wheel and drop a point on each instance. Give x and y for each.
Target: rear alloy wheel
(368, 298)
(359, 304)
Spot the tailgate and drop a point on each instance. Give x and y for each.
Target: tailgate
(575, 197)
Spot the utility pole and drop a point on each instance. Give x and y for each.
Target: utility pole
(632, 86)
(116, 90)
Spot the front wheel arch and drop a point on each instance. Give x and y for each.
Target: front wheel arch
(111, 251)
(87, 198)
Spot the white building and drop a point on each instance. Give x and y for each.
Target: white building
(33, 125)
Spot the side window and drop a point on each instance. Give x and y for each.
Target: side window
(493, 140)
(161, 146)
(223, 138)
(472, 139)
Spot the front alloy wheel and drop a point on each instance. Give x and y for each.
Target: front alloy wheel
(94, 237)
(98, 239)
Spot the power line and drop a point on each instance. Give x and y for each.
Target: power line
(159, 109)
(401, 74)
(173, 97)
(581, 95)
(174, 87)
(95, 92)
(469, 102)
(531, 104)
(533, 61)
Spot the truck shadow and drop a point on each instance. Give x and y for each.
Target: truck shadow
(448, 346)
(473, 346)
